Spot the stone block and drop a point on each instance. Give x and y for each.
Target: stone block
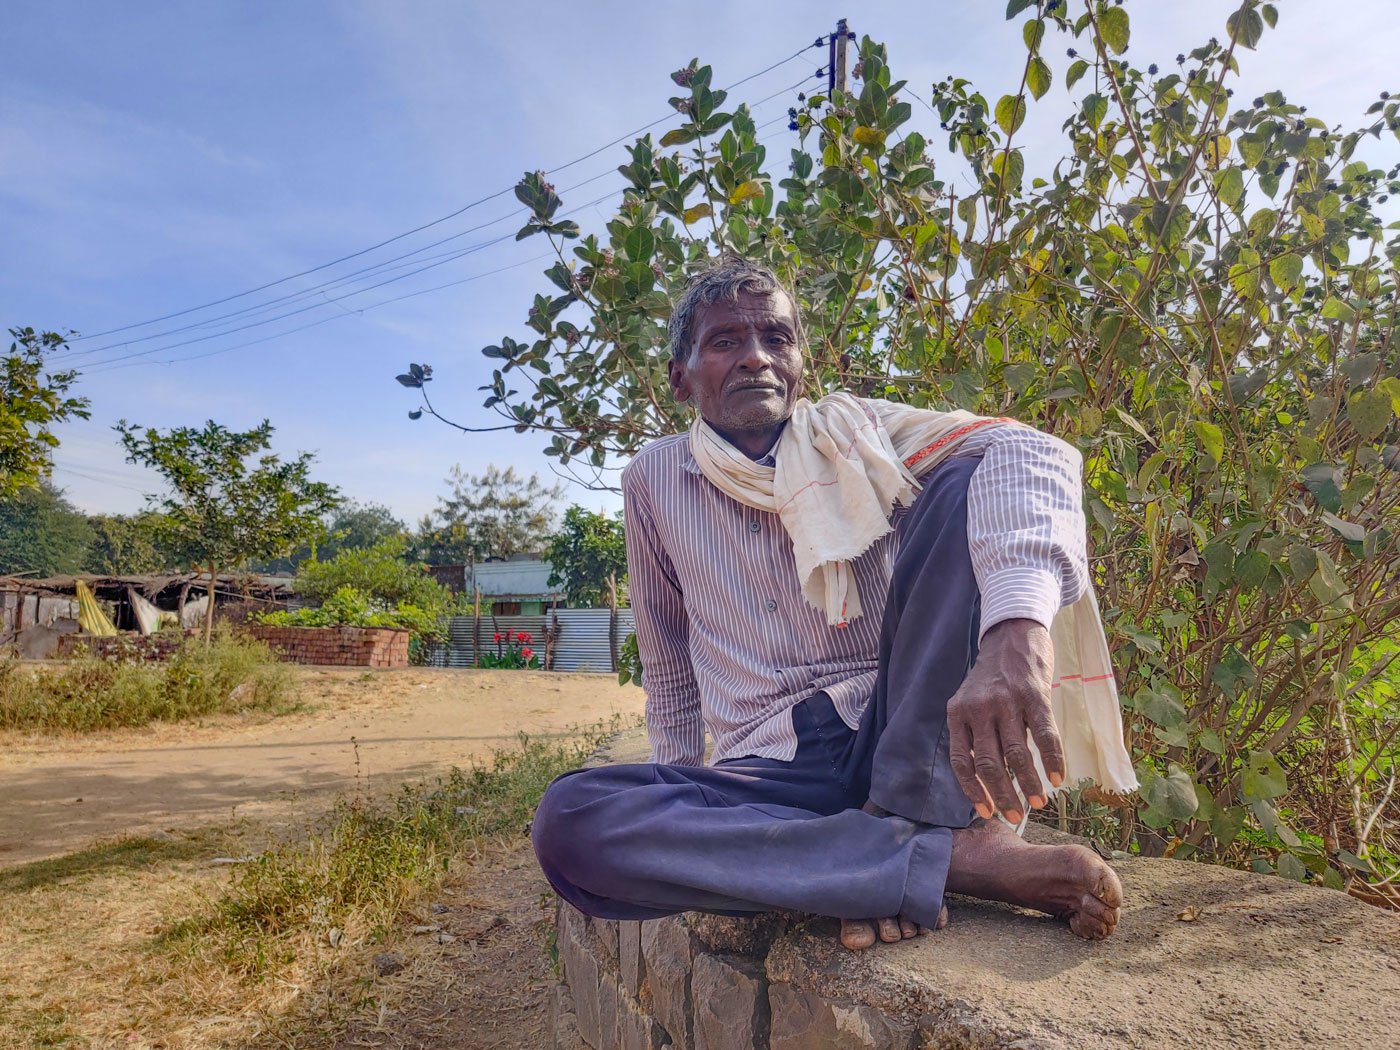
(748, 935)
(669, 952)
(629, 957)
(606, 929)
(563, 1024)
(730, 997)
(802, 1020)
(582, 974)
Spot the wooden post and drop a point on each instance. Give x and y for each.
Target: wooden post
(612, 620)
(209, 612)
(476, 628)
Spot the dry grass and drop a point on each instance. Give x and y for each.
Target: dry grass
(87, 694)
(145, 943)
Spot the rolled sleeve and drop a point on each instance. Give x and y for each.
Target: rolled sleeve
(1025, 525)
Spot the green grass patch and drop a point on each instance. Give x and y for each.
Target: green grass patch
(232, 674)
(352, 881)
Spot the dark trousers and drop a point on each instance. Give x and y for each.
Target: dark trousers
(754, 834)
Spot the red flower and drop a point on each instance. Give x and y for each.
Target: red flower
(522, 637)
(498, 636)
(529, 654)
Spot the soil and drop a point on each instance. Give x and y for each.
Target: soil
(362, 730)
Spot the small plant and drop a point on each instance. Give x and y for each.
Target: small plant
(512, 651)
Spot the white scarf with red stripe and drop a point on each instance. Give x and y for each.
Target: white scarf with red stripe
(842, 466)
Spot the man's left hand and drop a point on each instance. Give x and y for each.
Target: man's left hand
(1005, 696)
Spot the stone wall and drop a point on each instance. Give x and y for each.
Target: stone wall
(337, 646)
(1204, 957)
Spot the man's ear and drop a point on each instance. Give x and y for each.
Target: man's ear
(680, 387)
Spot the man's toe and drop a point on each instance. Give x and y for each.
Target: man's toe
(889, 931)
(857, 934)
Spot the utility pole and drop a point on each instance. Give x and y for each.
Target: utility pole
(842, 35)
(836, 58)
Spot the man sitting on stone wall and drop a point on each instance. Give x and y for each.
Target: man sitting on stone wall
(868, 663)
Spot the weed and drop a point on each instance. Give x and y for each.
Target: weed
(87, 694)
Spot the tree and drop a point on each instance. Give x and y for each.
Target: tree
(225, 507)
(126, 544)
(492, 515)
(351, 527)
(31, 402)
(1199, 293)
(41, 533)
(588, 555)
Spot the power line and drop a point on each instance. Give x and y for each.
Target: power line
(427, 225)
(131, 360)
(373, 269)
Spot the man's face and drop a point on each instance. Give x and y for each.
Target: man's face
(744, 366)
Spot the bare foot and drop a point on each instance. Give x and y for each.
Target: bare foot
(992, 862)
(857, 934)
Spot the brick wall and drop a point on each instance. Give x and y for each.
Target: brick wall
(337, 646)
(121, 646)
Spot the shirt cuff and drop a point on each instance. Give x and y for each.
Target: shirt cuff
(1019, 594)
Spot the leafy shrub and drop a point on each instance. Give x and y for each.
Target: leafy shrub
(351, 607)
(1198, 292)
(380, 572)
(231, 674)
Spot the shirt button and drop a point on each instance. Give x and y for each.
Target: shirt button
(753, 526)
(770, 605)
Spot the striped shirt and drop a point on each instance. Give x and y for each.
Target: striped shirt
(729, 644)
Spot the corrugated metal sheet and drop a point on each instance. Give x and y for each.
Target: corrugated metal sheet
(583, 639)
(527, 577)
(582, 646)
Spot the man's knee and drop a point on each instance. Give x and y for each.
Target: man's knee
(564, 831)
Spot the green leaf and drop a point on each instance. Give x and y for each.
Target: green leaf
(1161, 708)
(1010, 113)
(1076, 70)
(1113, 27)
(1270, 15)
(1173, 795)
(1289, 866)
(678, 137)
(1286, 271)
(1229, 185)
(1095, 107)
(1336, 310)
(1245, 27)
(1251, 568)
(1263, 776)
(1033, 32)
(1015, 7)
(1327, 584)
(1321, 479)
(1370, 412)
(1038, 77)
(1209, 439)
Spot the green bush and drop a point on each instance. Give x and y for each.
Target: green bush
(350, 607)
(232, 674)
(380, 572)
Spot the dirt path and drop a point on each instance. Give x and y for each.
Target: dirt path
(375, 728)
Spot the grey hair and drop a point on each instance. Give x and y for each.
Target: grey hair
(725, 281)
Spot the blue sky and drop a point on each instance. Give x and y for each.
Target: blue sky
(157, 156)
